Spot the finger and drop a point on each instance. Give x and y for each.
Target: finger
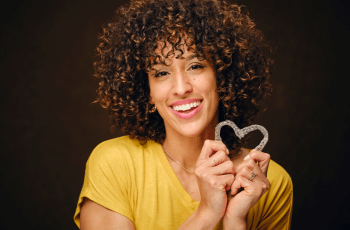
(248, 167)
(248, 185)
(252, 176)
(236, 186)
(257, 184)
(217, 159)
(263, 159)
(224, 168)
(225, 181)
(209, 148)
(251, 165)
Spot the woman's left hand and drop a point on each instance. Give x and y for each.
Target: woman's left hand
(254, 187)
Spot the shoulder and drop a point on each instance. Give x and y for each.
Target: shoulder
(273, 210)
(278, 176)
(123, 142)
(121, 150)
(115, 146)
(112, 161)
(114, 151)
(281, 186)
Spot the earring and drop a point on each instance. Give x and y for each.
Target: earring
(153, 109)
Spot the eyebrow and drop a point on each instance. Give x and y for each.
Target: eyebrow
(191, 57)
(187, 59)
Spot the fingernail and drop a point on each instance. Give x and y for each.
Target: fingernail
(246, 157)
(227, 151)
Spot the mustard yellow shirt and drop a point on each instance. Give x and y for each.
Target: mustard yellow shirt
(138, 182)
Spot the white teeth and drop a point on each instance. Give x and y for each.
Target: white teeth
(186, 106)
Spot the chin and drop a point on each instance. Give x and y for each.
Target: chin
(193, 132)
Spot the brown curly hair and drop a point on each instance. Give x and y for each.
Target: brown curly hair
(225, 31)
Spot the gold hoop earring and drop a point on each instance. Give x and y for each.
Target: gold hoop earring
(153, 109)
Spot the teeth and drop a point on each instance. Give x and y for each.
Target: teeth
(186, 106)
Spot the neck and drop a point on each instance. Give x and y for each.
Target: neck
(186, 150)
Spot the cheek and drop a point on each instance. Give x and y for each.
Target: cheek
(208, 85)
(158, 92)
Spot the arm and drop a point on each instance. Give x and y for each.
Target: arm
(214, 173)
(105, 193)
(200, 219)
(275, 208)
(252, 177)
(94, 217)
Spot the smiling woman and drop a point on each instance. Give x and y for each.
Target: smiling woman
(174, 87)
(169, 71)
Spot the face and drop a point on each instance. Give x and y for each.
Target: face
(185, 95)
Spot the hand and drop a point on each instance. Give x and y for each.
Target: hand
(241, 202)
(214, 173)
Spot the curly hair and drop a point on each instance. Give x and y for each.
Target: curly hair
(225, 31)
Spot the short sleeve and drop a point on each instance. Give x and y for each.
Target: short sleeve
(107, 181)
(278, 202)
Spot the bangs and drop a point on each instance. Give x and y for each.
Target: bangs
(171, 45)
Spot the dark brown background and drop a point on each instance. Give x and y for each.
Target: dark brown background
(49, 128)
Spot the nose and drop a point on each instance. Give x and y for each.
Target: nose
(182, 84)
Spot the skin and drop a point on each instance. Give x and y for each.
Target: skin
(94, 216)
(191, 142)
(186, 78)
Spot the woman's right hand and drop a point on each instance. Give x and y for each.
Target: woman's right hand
(215, 175)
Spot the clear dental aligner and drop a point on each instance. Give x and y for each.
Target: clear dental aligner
(242, 132)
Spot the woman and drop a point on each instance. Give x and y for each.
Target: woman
(169, 72)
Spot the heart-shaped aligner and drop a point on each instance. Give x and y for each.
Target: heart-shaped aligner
(242, 132)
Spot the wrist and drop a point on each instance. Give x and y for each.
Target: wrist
(234, 223)
(201, 219)
(208, 218)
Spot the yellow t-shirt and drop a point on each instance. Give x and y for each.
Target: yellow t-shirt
(138, 182)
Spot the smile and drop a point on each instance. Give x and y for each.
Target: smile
(187, 108)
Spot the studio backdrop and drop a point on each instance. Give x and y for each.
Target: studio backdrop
(49, 125)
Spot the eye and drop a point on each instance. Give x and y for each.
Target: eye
(196, 66)
(161, 74)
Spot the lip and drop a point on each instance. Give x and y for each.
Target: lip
(183, 102)
(187, 115)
